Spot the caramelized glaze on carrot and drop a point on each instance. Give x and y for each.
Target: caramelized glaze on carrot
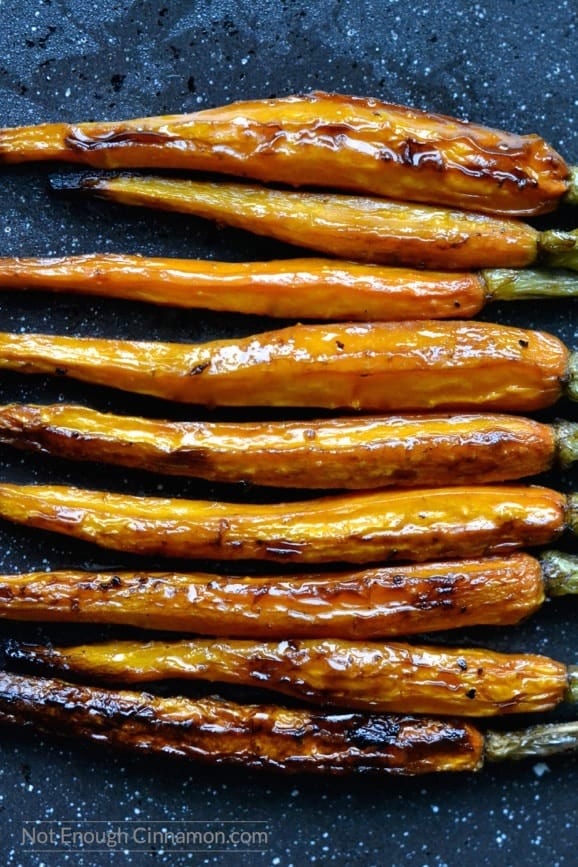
(380, 367)
(363, 228)
(370, 676)
(294, 288)
(416, 525)
(327, 140)
(371, 452)
(259, 737)
(371, 603)
(309, 288)
(265, 737)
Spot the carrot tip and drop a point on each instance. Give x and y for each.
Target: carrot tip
(74, 182)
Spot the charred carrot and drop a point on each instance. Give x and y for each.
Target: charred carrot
(369, 676)
(416, 525)
(352, 227)
(380, 367)
(326, 140)
(373, 603)
(217, 732)
(371, 452)
(293, 288)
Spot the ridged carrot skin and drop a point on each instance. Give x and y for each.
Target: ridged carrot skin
(369, 676)
(372, 603)
(372, 452)
(256, 737)
(398, 525)
(363, 228)
(293, 288)
(381, 367)
(326, 140)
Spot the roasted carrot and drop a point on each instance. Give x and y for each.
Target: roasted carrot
(326, 140)
(416, 525)
(373, 603)
(369, 676)
(292, 288)
(265, 737)
(382, 366)
(352, 227)
(371, 452)
(219, 732)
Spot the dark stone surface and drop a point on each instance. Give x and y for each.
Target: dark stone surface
(510, 64)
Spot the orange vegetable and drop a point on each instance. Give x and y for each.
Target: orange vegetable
(217, 732)
(380, 367)
(293, 288)
(372, 603)
(363, 228)
(418, 524)
(326, 140)
(369, 676)
(355, 453)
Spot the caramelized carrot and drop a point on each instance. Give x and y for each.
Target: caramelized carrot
(326, 140)
(370, 676)
(371, 452)
(372, 603)
(352, 227)
(378, 367)
(217, 732)
(265, 737)
(293, 288)
(416, 525)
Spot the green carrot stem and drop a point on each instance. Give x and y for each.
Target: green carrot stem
(532, 743)
(519, 284)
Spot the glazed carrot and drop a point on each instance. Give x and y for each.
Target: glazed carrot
(369, 676)
(265, 737)
(326, 140)
(372, 603)
(398, 525)
(363, 228)
(380, 367)
(218, 732)
(355, 453)
(293, 288)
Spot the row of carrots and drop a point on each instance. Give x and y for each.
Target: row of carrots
(421, 492)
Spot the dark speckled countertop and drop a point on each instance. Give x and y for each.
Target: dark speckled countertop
(510, 64)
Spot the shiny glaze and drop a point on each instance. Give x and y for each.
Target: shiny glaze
(381, 366)
(294, 288)
(416, 525)
(366, 604)
(363, 228)
(259, 737)
(321, 139)
(370, 676)
(372, 452)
